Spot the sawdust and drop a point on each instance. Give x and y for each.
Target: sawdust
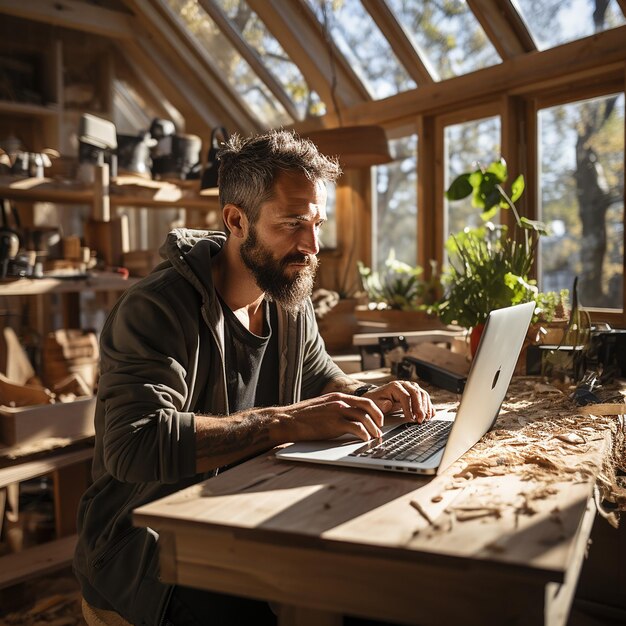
(543, 439)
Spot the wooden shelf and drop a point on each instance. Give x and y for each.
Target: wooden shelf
(95, 281)
(129, 191)
(25, 108)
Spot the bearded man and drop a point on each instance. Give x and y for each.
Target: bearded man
(213, 358)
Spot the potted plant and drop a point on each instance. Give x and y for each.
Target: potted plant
(400, 298)
(488, 268)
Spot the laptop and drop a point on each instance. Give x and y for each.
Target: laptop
(431, 447)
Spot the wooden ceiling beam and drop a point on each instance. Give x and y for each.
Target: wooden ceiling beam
(401, 42)
(504, 27)
(127, 69)
(147, 58)
(226, 107)
(250, 55)
(75, 15)
(603, 51)
(301, 36)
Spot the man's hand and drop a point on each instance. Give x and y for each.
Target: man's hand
(403, 395)
(329, 416)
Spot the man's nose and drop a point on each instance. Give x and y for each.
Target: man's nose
(309, 242)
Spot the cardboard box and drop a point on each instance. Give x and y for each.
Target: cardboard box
(19, 425)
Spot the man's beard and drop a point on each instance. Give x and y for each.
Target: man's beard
(290, 291)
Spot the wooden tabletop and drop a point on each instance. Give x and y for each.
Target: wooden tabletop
(503, 530)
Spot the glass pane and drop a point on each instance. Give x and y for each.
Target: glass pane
(328, 233)
(467, 146)
(236, 71)
(396, 205)
(582, 199)
(256, 35)
(360, 41)
(447, 35)
(553, 22)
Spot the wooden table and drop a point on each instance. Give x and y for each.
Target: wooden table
(498, 538)
(68, 461)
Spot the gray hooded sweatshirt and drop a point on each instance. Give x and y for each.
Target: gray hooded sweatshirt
(161, 362)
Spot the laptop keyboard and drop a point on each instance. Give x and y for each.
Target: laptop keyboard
(408, 442)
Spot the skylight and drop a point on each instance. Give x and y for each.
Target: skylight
(447, 34)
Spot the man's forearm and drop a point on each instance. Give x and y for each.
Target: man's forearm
(224, 440)
(343, 384)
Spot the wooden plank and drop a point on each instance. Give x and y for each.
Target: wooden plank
(514, 150)
(428, 213)
(143, 193)
(300, 34)
(250, 55)
(504, 27)
(95, 281)
(70, 482)
(297, 616)
(349, 583)
(157, 71)
(73, 14)
(39, 467)
(604, 53)
(36, 561)
(401, 42)
(193, 62)
(559, 596)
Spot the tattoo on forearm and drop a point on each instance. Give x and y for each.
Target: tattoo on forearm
(344, 384)
(247, 435)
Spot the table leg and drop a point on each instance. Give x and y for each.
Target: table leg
(69, 485)
(301, 616)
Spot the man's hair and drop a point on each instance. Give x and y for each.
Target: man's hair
(249, 167)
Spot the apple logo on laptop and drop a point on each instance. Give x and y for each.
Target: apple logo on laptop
(495, 378)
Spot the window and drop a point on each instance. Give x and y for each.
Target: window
(468, 146)
(358, 38)
(581, 182)
(258, 37)
(194, 19)
(396, 205)
(553, 22)
(447, 35)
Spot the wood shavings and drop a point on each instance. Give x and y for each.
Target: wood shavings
(603, 409)
(468, 513)
(545, 441)
(573, 438)
(422, 511)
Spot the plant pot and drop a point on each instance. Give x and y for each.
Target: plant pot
(392, 320)
(475, 335)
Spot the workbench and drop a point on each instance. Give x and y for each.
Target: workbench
(497, 538)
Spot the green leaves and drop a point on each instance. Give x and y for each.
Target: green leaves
(399, 287)
(487, 270)
(486, 187)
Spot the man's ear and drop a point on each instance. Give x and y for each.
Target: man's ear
(235, 220)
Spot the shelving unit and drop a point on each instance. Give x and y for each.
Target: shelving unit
(125, 191)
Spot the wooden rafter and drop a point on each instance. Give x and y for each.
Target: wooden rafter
(504, 27)
(250, 55)
(126, 68)
(147, 58)
(73, 14)
(190, 61)
(523, 74)
(300, 34)
(400, 41)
